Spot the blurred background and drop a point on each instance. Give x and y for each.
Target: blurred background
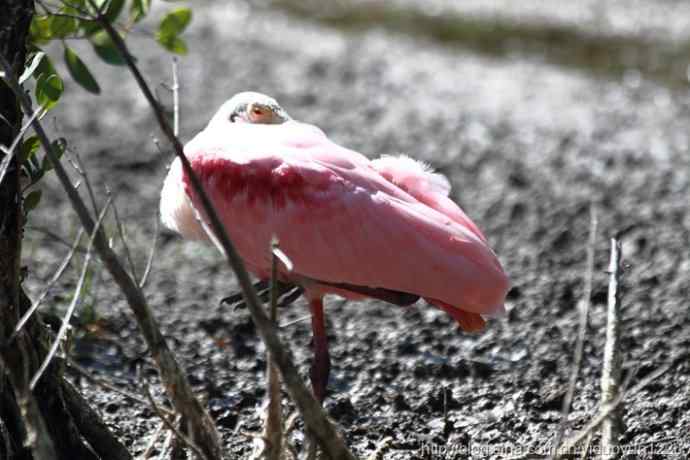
(537, 111)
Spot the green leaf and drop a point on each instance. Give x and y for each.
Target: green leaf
(175, 22)
(29, 148)
(90, 27)
(114, 9)
(31, 200)
(29, 71)
(106, 49)
(139, 9)
(171, 26)
(62, 26)
(80, 73)
(173, 44)
(39, 30)
(45, 66)
(59, 146)
(48, 90)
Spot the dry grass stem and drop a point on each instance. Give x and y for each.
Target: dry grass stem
(73, 304)
(56, 276)
(582, 330)
(152, 253)
(611, 373)
(176, 97)
(571, 443)
(121, 233)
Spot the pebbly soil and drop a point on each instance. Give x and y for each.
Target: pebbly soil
(528, 147)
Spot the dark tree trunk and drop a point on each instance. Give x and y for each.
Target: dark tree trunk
(14, 25)
(71, 429)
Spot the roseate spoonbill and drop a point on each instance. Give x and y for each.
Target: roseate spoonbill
(354, 227)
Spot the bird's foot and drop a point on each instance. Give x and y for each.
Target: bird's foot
(287, 294)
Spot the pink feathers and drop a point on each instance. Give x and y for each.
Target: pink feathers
(384, 229)
(342, 219)
(420, 181)
(415, 177)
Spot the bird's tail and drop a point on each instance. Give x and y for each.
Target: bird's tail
(470, 322)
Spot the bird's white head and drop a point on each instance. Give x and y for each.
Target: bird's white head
(251, 107)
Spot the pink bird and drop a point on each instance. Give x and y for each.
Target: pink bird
(351, 226)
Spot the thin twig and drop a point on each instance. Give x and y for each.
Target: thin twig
(288, 293)
(172, 427)
(79, 166)
(61, 269)
(73, 305)
(152, 253)
(260, 286)
(54, 236)
(611, 373)
(176, 98)
(9, 152)
(582, 331)
(301, 319)
(121, 232)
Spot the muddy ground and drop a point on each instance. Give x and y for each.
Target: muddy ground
(528, 146)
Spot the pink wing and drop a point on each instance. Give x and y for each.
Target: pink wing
(338, 219)
(432, 189)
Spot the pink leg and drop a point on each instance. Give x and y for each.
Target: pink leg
(321, 366)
